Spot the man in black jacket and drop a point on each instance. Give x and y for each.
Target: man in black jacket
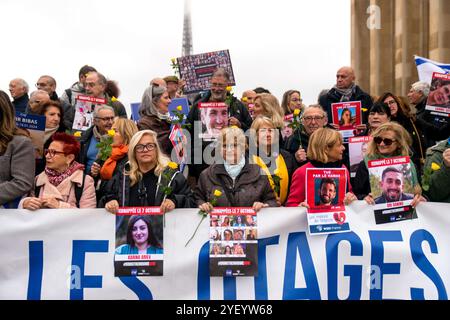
(19, 92)
(345, 90)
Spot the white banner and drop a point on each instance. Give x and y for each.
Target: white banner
(67, 254)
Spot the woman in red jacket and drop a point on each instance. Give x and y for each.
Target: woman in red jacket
(325, 150)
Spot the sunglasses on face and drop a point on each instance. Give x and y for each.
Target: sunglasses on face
(386, 141)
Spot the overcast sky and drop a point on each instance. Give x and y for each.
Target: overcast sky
(280, 45)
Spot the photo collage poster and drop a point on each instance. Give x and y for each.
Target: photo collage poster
(233, 242)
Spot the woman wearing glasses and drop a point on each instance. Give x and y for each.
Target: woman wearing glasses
(56, 187)
(154, 112)
(389, 140)
(17, 161)
(292, 100)
(143, 178)
(240, 182)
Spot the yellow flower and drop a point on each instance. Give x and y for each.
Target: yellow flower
(174, 60)
(364, 109)
(276, 172)
(435, 166)
(180, 108)
(172, 165)
(296, 112)
(234, 127)
(217, 193)
(113, 99)
(111, 133)
(229, 88)
(77, 134)
(244, 99)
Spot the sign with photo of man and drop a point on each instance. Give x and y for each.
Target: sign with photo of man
(357, 148)
(214, 117)
(391, 189)
(439, 97)
(325, 192)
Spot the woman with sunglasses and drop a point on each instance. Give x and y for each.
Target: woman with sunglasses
(141, 182)
(389, 140)
(55, 187)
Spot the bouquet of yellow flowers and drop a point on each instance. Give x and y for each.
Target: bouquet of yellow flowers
(213, 202)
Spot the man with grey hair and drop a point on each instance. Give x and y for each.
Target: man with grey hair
(314, 117)
(434, 126)
(37, 100)
(19, 92)
(103, 121)
(344, 90)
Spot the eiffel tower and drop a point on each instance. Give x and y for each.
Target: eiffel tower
(187, 48)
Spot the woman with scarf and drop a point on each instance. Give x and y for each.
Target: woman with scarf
(145, 178)
(53, 112)
(276, 163)
(124, 130)
(240, 182)
(154, 112)
(325, 151)
(389, 140)
(55, 188)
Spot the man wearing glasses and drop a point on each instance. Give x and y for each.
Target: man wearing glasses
(103, 121)
(314, 117)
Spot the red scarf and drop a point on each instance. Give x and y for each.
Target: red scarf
(117, 153)
(56, 177)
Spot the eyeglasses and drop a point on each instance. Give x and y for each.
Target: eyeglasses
(309, 119)
(90, 84)
(296, 100)
(52, 152)
(218, 85)
(106, 119)
(387, 141)
(145, 147)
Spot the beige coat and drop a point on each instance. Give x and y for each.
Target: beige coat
(65, 191)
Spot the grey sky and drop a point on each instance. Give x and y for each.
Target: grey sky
(279, 45)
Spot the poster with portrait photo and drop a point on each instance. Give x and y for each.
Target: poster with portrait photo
(391, 188)
(233, 242)
(84, 111)
(325, 192)
(438, 100)
(287, 131)
(214, 117)
(347, 115)
(35, 126)
(198, 69)
(139, 242)
(357, 147)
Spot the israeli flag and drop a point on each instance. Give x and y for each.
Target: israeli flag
(426, 67)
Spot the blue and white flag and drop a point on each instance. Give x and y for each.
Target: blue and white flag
(426, 67)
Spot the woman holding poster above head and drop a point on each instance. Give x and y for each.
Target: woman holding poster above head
(154, 112)
(148, 179)
(17, 160)
(389, 140)
(140, 238)
(63, 183)
(325, 151)
(240, 183)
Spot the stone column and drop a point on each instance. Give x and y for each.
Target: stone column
(360, 43)
(440, 30)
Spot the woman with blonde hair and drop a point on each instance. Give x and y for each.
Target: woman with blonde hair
(143, 180)
(292, 100)
(276, 163)
(267, 105)
(240, 182)
(325, 151)
(389, 140)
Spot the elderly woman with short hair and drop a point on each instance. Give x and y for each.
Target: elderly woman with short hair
(240, 182)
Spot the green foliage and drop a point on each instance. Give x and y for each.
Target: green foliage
(104, 147)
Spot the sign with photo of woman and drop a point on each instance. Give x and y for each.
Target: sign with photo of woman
(325, 192)
(391, 189)
(347, 115)
(139, 242)
(233, 242)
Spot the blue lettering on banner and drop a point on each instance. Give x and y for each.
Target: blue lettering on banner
(377, 258)
(419, 258)
(203, 284)
(80, 248)
(261, 291)
(138, 287)
(297, 242)
(354, 272)
(36, 252)
(229, 288)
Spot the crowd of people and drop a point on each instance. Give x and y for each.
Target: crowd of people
(262, 169)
